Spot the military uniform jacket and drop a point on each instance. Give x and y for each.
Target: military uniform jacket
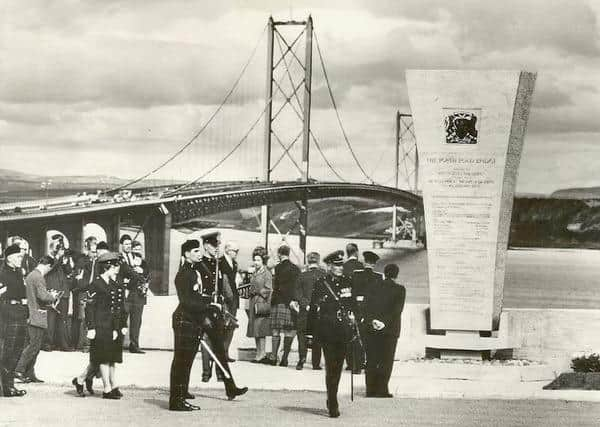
(305, 285)
(229, 274)
(385, 303)
(106, 307)
(207, 268)
(362, 282)
(12, 284)
(351, 266)
(329, 309)
(190, 292)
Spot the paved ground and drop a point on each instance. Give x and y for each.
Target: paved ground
(50, 405)
(151, 370)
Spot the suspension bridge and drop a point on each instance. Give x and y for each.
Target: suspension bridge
(251, 150)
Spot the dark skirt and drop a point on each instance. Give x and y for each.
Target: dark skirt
(281, 318)
(103, 349)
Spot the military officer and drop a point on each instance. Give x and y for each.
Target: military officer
(331, 321)
(13, 318)
(195, 315)
(363, 280)
(382, 313)
(304, 289)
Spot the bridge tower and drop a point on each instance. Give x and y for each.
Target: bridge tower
(407, 165)
(282, 33)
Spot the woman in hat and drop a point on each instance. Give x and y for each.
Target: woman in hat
(259, 321)
(107, 322)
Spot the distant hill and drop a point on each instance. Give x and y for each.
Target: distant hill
(577, 193)
(15, 185)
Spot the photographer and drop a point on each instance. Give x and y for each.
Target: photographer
(59, 280)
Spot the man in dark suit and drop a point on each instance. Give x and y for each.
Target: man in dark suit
(229, 268)
(304, 289)
(352, 263)
(382, 321)
(136, 299)
(363, 280)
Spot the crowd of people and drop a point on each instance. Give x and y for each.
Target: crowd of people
(35, 303)
(341, 309)
(347, 311)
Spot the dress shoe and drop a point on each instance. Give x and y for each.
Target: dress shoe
(137, 351)
(205, 378)
(78, 387)
(230, 359)
(348, 368)
(233, 392)
(189, 395)
(89, 385)
(35, 380)
(13, 392)
(317, 368)
(117, 392)
(333, 410)
(283, 363)
(110, 395)
(265, 361)
(22, 377)
(255, 361)
(300, 366)
(182, 405)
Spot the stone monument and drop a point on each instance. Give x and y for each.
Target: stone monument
(469, 128)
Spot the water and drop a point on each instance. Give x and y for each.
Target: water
(535, 278)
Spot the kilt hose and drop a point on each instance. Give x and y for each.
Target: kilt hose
(15, 335)
(187, 340)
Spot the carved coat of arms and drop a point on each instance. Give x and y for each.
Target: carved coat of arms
(461, 128)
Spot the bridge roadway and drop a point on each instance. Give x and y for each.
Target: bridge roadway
(203, 200)
(157, 211)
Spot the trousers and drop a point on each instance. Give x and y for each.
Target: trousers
(135, 324)
(26, 363)
(380, 361)
(57, 325)
(334, 362)
(14, 335)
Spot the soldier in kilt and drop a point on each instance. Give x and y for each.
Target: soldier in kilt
(13, 321)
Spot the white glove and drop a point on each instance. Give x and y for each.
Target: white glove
(91, 334)
(115, 335)
(295, 306)
(124, 331)
(138, 269)
(378, 325)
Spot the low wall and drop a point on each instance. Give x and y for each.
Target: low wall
(548, 335)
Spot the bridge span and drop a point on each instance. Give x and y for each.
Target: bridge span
(157, 210)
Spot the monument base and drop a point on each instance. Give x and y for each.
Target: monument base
(461, 354)
(470, 344)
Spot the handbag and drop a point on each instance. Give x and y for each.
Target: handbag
(262, 307)
(39, 318)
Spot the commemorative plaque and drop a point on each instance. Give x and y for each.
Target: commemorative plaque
(469, 127)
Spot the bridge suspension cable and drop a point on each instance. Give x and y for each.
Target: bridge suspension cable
(195, 137)
(339, 120)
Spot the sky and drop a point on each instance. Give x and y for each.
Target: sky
(115, 87)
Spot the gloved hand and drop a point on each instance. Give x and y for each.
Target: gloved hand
(115, 335)
(378, 325)
(124, 331)
(91, 334)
